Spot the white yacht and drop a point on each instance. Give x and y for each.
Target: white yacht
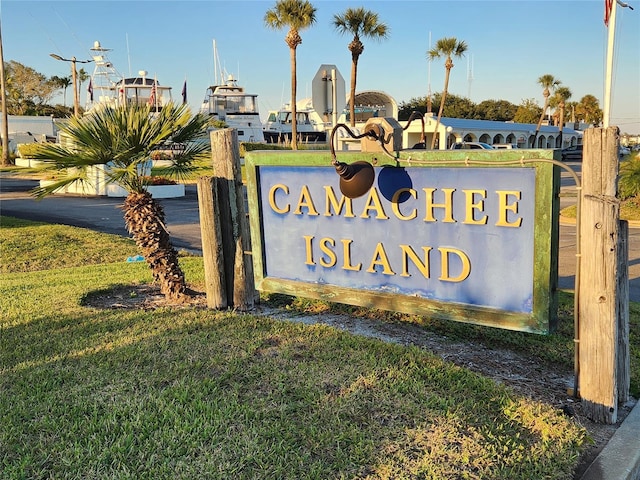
(107, 87)
(311, 126)
(229, 103)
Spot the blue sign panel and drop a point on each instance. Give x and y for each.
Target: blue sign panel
(463, 235)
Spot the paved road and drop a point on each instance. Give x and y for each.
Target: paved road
(182, 219)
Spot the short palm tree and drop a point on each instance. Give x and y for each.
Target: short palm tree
(445, 47)
(296, 15)
(589, 111)
(548, 83)
(123, 140)
(359, 23)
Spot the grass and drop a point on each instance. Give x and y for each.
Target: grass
(629, 210)
(30, 246)
(196, 393)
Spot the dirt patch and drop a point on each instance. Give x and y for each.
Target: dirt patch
(523, 374)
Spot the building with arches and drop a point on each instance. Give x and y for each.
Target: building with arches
(453, 130)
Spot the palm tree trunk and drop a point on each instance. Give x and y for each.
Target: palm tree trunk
(544, 110)
(352, 95)
(294, 107)
(444, 96)
(144, 219)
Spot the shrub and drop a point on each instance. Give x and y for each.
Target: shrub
(154, 180)
(28, 150)
(629, 179)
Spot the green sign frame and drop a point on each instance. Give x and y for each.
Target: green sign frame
(543, 316)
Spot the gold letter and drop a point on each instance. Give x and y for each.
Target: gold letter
(326, 245)
(308, 239)
(444, 261)
(423, 267)
(470, 206)
(346, 250)
(380, 258)
(373, 202)
(305, 200)
(503, 198)
(396, 206)
(332, 201)
(447, 205)
(272, 198)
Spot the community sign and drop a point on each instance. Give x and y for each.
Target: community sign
(439, 235)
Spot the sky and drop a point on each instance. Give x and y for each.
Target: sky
(511, 43)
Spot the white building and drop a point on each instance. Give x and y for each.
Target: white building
(452, 130)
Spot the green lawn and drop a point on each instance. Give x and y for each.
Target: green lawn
(194, 393)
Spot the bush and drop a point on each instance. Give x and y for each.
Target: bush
(27, 150)
(629, 179)
(153, 180)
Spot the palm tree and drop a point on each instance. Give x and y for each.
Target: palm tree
(83, 76)
(358, 22)
(562, 94)
(548, 83)
(296, 15)
(589, 111)
(64, 83)
(445, 47)
(123, 139)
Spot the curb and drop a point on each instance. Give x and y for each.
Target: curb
(620, 457)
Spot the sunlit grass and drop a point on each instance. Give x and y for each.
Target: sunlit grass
(198, 393)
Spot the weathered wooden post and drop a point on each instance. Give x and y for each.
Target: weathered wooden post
(238, 266)
(211, 234)
(601, 306)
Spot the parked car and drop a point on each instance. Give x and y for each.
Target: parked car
(624, 151)
(506, 146)
(471, 146)
(574, 152)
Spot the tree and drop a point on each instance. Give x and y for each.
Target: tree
(359, 23)
(83, 76)
(562, 94)
(445, 47)
(64, 83)
(548, 83)
(588, 110)
(27, 90)
(497, 110)
(124, 138)
(296, 15)
(528, 111)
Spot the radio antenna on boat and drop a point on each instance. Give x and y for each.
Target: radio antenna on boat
(128, 55)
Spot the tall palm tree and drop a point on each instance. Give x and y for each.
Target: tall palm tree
(83, 76)
(63, 83)
(562, 94)
(296, 15)
(548, 83)
(445, 47)
(123, 139)
(359, 23)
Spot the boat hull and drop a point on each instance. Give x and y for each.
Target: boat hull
(284, 137)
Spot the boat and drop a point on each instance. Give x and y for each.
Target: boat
(229, 104)
(107, 87)
(311, 126)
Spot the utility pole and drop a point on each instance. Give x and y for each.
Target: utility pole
(5, 115)
(74, 79)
